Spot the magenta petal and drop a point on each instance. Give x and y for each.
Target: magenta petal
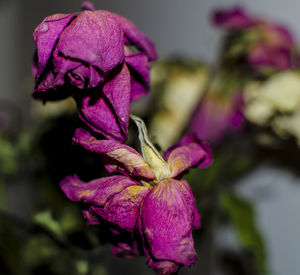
(122, 209)
(188, 152)
(232, 18)
(46, 35)
(139, 67)
(262, 56)
(137, 38)
(117, 91)
(167, 224)
(96, 38)
(118, 156)
(125, 250)
(108, 113)
(163, 267)
(96, 192)
(191, 202)
(90, 218)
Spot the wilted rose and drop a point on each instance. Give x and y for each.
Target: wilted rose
(98, 57)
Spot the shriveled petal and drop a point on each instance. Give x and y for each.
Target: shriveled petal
(124, 243)
(167, 224)
(122, 209)
(46, 35)
(188, 152)
(125, 250)
(191, 202)
(90, 219)
(108, 112)
(118, 156)
(163, 267)
(96, 192)
(96, 38)
(135, 37)
(139, 68)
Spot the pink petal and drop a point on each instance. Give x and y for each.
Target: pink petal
(96, 38)
(139, 68)
(167, 224)
(96, 192)
(119, 157)
(46, 35)
(187, 153)
(137, 38)
(190, 200)
(108, 113)
(122, 209)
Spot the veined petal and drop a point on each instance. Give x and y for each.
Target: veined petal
(139, 68)
(166, 222)
(96, 38)
(46, 35)
(188, 152)
(108, 113)
(96, 192)
(118, 156)
(122, 209)
(191, 202)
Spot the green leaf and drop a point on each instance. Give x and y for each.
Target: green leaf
(243, 218)
(8, 157)
(46, 220)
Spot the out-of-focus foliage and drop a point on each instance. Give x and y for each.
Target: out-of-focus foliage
(243, 218)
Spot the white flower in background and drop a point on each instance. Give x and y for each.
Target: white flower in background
(276, 103)
(179, 86)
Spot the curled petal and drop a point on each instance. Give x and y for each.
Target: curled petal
(139, 68)
(96, 38)
(108, 112)
(96, 192)
(188, 152)
(90, 219)
(122, 209)
(136, 38)
(117, 156)
(46, 36)
(166, 223)
(123, 243)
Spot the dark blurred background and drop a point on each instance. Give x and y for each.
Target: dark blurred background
(177, 27)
